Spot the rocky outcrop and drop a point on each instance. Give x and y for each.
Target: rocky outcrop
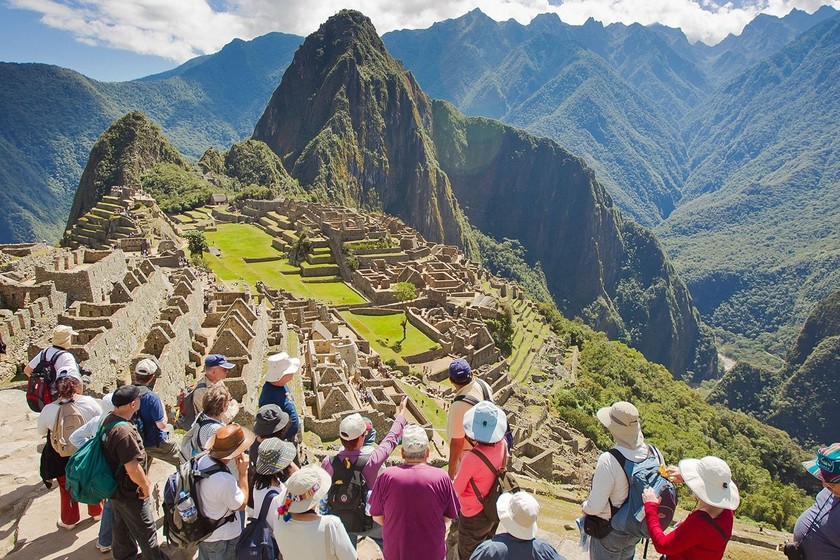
(350, 125)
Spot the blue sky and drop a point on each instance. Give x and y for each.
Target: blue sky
(116, 40)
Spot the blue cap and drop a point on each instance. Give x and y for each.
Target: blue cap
(459, 371)
(214, 360)
(485, 423)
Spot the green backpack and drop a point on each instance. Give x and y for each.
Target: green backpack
(89, 477)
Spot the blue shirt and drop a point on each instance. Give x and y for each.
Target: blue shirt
(272, 394)
(151, 410)
(505, 546)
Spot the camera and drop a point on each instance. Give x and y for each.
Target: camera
(793, 550)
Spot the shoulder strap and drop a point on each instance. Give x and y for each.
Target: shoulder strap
(469, 399)
(360, 462)
(54, 359)
(490, 466)
(708, 519)
(267, 504)
(485, 389)
(619, 456)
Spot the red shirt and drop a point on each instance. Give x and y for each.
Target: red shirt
(693, 539)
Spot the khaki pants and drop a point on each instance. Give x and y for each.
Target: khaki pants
(167, 451)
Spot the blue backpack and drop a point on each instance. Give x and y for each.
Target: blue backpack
(257, 539)
(630, 517)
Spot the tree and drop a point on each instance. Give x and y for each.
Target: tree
(196, 242)
(300, 248)
(405, 291)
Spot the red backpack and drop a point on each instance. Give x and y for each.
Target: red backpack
(41, 391)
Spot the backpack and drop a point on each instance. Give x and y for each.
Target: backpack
(40, 390)
(190, 445)
(257, 539)
(503, 482)
(471, 400)
(68, 420)
(180, 487)
(630, 516)
(186, 408)
(89, 478)
(348, 494)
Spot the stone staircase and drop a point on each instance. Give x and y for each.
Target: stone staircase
(106, 222)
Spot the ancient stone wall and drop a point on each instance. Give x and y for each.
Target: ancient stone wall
(91, 280)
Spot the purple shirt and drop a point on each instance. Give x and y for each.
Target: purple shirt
(823, 541)
(414, 499)
(377, 457)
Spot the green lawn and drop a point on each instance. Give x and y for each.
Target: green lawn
(434, 413)
(236, 241)
(388, 330)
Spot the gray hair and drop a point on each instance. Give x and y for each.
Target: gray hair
(408, 456)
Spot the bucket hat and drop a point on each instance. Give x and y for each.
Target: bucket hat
(304, 490)
(279, 365)
(485, 423)
(274, 455)
(518, 514)
(270, 420)
(711, 481)
(622, 421)
(229, 441)
(826, 466)
(63, 336)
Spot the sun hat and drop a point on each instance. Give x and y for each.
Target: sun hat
(711, 481)
(352, 426)
(304, 489)
(485, 423)
(69, 371)
(826, 466)
(146, 368)
(279, 365)
(274, 455)
(270, 420)
(415, 439)
(460, 372)
(229, 441)
(214, 360)
(63, 336)
(126, 394)
(622, 420)
(518, 514)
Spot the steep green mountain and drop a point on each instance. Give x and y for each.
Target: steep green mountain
(352, 125)
(801, 397)
(50, 118)
(349, 124)
(757, 242)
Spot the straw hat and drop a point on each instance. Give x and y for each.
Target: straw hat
(518, 514)
(63, 336)
(229, 441)
(622, 420)
(711, 481)
(304, 489)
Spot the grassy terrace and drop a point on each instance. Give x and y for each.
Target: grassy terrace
(238, 241)
(385, 331)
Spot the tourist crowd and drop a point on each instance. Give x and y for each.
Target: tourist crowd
(246, 493)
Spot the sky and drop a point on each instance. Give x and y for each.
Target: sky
(115, 40)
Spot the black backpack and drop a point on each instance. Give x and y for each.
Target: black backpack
(257, 539)
(184, 481)
(348, 494)
(186, 406)
(503, 482)
(41, 390)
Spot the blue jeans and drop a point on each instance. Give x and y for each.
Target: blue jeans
(217, 550)
(615, 546)
(105, 536)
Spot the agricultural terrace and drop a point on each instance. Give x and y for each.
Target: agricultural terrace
(245, 241)
(384, 332)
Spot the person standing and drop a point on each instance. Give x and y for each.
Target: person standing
(300, 530)
(704, 534)
(216, 368)
(133, 522)
(274, 467)
(818, 528)
(270, 423)
(485, 426)
(156, 438)
(469, 391)
(70, 406)
(413, 502)
(518, 516)
(610, 488)
(281, 370)
(224, 494)
(62, 339)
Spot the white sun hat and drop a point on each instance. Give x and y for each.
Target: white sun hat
(518, 514)
(711, 481)
(279, 365)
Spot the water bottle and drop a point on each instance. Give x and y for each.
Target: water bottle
(186, 508)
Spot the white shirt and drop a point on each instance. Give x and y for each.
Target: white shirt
(220, 496)
(89, 428)
(259, 498)
(609, 483)
(88, 406)
(320, 539)
(64, 360)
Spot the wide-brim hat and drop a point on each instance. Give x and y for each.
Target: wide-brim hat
(518, 514)
(305, 488)
(826, 466)
(711, 481)
(279, 365)
(63, 336)
(229, 441)
(485, 423)
(622, 421)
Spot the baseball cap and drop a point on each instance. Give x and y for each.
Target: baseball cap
(214, 360)
(460, 371)
(146, 367)
(69, 371)
(414, 439)
(125, 395)
(352, 426)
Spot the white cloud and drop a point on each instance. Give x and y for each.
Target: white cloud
(182, 29)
